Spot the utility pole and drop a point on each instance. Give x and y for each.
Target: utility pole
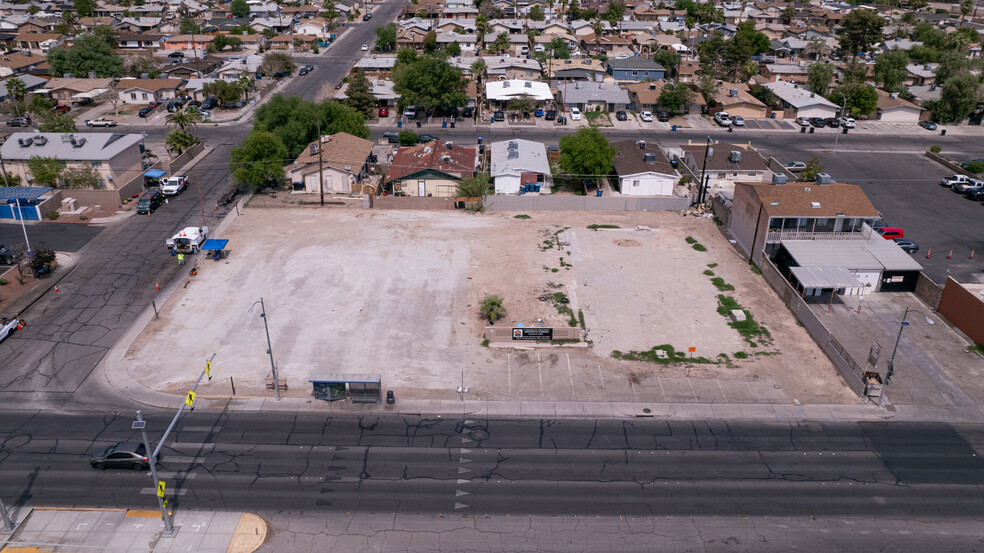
(8, 525)
(703, 173)
(141, 424)
(273, 366)
(321, 169)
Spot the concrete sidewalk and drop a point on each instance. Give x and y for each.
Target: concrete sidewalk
(131, 531)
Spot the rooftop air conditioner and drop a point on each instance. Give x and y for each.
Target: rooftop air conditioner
(778, 179)
(823, 178)
(649, 157)
(734, 157)
(641, 144)
(733, 92)
(25, 142)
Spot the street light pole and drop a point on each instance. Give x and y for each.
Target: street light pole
(8, 525)
(152, 458)
(266, 327)
(891, 360)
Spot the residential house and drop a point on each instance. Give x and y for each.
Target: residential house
(921, 74)
(67, 90)
(466, 42)
(194, 68)
(455, 26)
(246, 65)
(253, 43)
(900, 44)
(727, 164)
(763, 214)
(343, 164)
(410, 38)
(736, 99)
(636, 69)
(300, 12)
(275, 24)
(584, 28)
(38, 43)
(316, 27)
(800, 102)
(117, 158)
(789, 72)
(189, 42)
(645, 96)
(588, 95)
(140, 24)
(687, 71)
(430, 9)
(516, 44)
(643, 169)
(20, 63)
(143, 91)
(31, 83)
(576, 70)
(139, 41)
(225, 25)
(508, 26)
(610, 45)
(431, 169)
(501, 92)
(462, 12)
(895, 109)
(518, 162)
(292, 42)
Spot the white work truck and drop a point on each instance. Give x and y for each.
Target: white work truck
(7, 327)
(188, 240)
(172, 186)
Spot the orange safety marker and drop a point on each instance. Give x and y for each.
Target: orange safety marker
(972, 254)
(928, 252)
(949, 255)
(158, 286)
(56, 288)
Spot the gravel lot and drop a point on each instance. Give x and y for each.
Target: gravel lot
(396, 293)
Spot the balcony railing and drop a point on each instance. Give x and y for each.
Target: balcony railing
(792, 234)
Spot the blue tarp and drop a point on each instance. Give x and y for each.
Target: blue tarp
(155, 173)
(214, 244)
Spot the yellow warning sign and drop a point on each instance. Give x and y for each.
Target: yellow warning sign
(190, 399)
(208, 367)
(160, 488)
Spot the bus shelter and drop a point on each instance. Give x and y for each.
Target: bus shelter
(359, 388)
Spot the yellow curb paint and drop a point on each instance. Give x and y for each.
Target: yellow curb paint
(143, 514)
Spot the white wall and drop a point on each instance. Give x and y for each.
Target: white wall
(651, 185)
(506, 184)
(900, 115)
(817, 111)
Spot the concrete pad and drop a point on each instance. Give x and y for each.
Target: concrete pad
(61, 522)
(677, 390)
(127, 541)
(183, 541)
(737, 391)
(707, 390)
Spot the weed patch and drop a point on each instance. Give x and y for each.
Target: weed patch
(741, 355)
(976, 348)
(720, 284)
(691, 240)
(596, 227)
(522, 216)
(753, 333)
(709, 272)
(699, 247)
(755, 269)
(711, 265)
(663, 355)
(580, 319)
(485, 342)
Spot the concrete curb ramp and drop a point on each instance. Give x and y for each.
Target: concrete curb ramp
(249, 535)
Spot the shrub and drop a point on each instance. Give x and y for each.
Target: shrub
(976, 167)
(596, 227)
(522, 216)
(3, 282)
(741, 355)
(691, 240)
(491, 308)
(53, 216)
(935, 149)
(700, 247)
(709, 272)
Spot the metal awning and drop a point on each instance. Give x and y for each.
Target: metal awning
(214, 244)
(94, 93)
(825, 278)
(155, 174)
(13, 193)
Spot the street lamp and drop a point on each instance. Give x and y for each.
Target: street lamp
(141, 424)
(891, 360)
(273, 366)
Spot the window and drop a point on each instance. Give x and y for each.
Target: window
(144, 95)
(133, 95)
(97, 164)
(722, 175)
(635, 183)
(635, 73)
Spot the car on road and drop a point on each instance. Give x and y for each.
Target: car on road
(847, 122)
(306, 69)
(928, 125)
(550, 115)
(62, 108)
(795, 166)
(19, 122)
(908, 246)
(176, 55)
(499, 116)
(738, 120)
(150, 201)
(722, 118)
(101, 122)
(367, 16)
(890, 232)
(365, 47)
(145, 111)
(384, 111)
(538, 113)
(646, 116)
(621, 115)
(832, 122)
(426, 138)
(817, 122)
(172, 186)
(121, 455)
(575, 114)
(803, 121)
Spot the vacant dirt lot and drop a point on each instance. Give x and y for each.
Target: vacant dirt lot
(396, 293)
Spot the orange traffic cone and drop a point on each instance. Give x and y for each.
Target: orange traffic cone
(949, 255)
(928, 252)
(56, 288)
(148, 214)
(972, 254)
(20, 325)
(158, 286)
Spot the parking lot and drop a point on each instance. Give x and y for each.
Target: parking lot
(395, 292)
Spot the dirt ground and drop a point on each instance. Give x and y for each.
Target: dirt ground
(397, 293)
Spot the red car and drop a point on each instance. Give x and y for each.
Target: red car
(384, 112)
(62, 108)
(889, 233)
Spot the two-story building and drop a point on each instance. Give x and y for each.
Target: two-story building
(727, 164)
(116, 158)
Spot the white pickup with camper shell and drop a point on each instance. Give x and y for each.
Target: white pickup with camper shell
(172, 186)
(188, 240)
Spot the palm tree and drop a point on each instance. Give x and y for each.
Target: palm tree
(597, 27)
(491, 308)
(16, 89)
(501, 43)
(482, 28)
(182, 119)
(245, 83)
(178, 141)
(478, 69)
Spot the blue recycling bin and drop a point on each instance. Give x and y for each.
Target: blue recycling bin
(399, 124)
(599, 192)
(674, 128)
(444, 124)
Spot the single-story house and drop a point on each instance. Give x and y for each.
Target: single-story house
(790, 72)
(587, 95)
(643, 169)
(189, 42)
(503, 91)
(431, 169)
(343, 157)
(143, 91)
(138, 41)
(801, 100)
(65, 90)
(736, 99)
(31, 82)
(518, 162)
(636, 69)
(38, 43)
(895, 109)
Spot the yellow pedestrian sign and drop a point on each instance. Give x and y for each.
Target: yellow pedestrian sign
(190, 399)
(160, 488)
(208, 367)
(165, 504)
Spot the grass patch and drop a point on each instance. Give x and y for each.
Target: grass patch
(976, 348)
(711, 265)
(663, 355)
(523, 216)
(755, 269)
(709, 272)
(741, 355)
(555, 270)
(580, 319)
(718, 221)
(720, 284)
(691, 240)
(753, 333)
(562, 341)
(485, 342)
(596, 227)
(699, 247)
(560, 303)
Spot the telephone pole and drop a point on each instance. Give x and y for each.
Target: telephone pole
(321, 169)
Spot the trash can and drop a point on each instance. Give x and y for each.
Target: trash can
(599, 193)
(772, 115)
(399, 124)
(444, 123)
(844, 130)
(390, 398)
(674, 128)
(418, 124)
(943, 132)
(802, 130)
(452, 123)
(812, 129)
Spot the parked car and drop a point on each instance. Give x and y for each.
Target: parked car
(101, 122)
(154, 104)
(977, 194)
(738, 120)
(365, 47)
(204, 113)
(499, 116)
(194, 104)
(722, 118)
(410, 112)
(663, 116)
(468, 112)
(210, 103)
(367, 16)
(847, 122)
(890, 232)
(803, 121)
(384, 111)
(62, 108)
(19, 122)
(176, 55)
(281, 74)
(121, 455)
(832, 122)
(795, 166)
(908, 246)
(817, 122)
(306, 69)
(646, 116)
(971, 184)
(538, 113)
(150, 201)
(550, 115)
(928, 125)
(575, 114)
(145, 111)
(426, 138)
(621, 115)
(954, 179)
(393, 137)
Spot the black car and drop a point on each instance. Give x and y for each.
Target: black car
(426, 138)
(908, 246)
(210, 103)
(468, 112)
(817, 122)
(550, 115)
(832, 122)
(281, 74)
(499, 116)
(663, 116)
(195, 103)
(367, 16)
(976, 194)
(176, 55)
(122, 455)
(19, 122)
(144, 111)
(150, 201)
(621, 115)
(306, 69)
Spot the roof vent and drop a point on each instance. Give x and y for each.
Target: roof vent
(894, 95)
(314, 148)
(528, 84)
(445, 159)
(649, 157)
(512, 145)
(733, 92)
(734, 156)
(823, 178)
(778, 179)
(641, 144)
(448, 145)
(816, 205)
(25, 142)
(813, 95)
(78, 142)
(505, 84)
(40, 140)
(512, 154)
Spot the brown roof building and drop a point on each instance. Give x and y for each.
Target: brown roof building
(343, 157)
(727, 164)
(431, 169)
(736, 99)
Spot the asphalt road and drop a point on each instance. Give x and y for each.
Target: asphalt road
(59, 237)
(224, 461)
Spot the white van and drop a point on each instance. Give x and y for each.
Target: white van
(575, 114)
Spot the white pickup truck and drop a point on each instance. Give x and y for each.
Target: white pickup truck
(173, 186)
(8, 327)
(188, 240)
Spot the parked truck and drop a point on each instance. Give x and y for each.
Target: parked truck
(188, 240)
(173, 186)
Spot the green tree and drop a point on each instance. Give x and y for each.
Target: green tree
(763, 94)
(16, 89)
(136, 65)
(80, 177)
(474, 187)
(501, 43)
(223, 41)
(407, 138)
(45, 170)
(224, 91)
(482, 28)
(430, 41)
(276, 62)
(859, 30)
(959, 97)
(524, 102)
(189, 26)
(294, 121)
(430, 82)
(178, 141)
(182, 119)
(491, 308)
(260, 161)
(453, 49)
(536, 13)
(669, 59)
(84, 8)
(675, 96)
(586, 154)
(478, 69)
(965, 8)
(818, 76)
(239, 8)
(854, 71)
(788, 14)
(817, 48)
(616, 10)
(89, 53)
(360, 97)
(861, 99)
(812, 169)
(559, 50)
(951, 64)
(54, 122)
(890, 70)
